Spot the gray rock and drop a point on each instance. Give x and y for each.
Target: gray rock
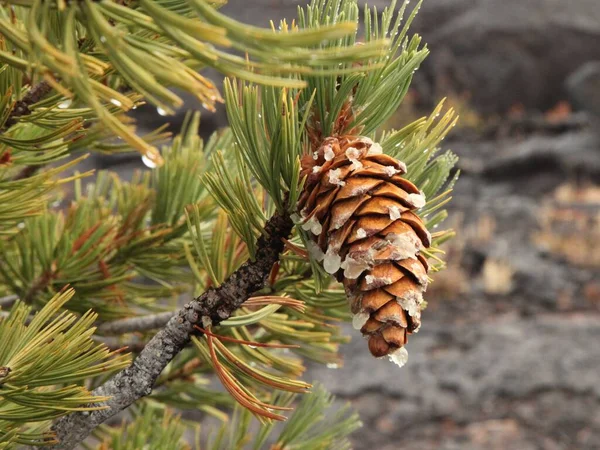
(583, 86)
(522, 377)
(504, 52)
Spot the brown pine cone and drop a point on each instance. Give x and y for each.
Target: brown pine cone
(359, 211)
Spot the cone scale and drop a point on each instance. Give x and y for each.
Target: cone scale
(360, 213)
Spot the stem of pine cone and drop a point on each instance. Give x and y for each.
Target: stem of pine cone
(215, 305)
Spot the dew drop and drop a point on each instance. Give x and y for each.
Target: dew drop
(65, 104)
(116, 102)
(148, 162)
(161, 111)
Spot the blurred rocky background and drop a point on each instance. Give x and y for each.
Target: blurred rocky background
(508, 356)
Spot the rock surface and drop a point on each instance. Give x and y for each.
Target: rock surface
(583, 86)
(506, 52)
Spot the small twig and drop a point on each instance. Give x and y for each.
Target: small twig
(8, 300)
(21, 108)
(211, 308)
(134, 346)
(39, 285)
(26, 172)
(184, 372)
(142, 323)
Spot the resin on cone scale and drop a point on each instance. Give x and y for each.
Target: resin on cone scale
(360, 212)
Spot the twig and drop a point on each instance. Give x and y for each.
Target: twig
(115, 344)
(143, 323)
(212, 307)
(8, 300)
(21, 108)
(27, 172)
(39, 285)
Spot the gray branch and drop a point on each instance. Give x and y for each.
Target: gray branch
(214, 306)
(143, 323)
(8, 300)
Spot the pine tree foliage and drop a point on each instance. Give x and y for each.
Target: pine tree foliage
(43, 361)
(152, 428)
(315, 424)
(128, 250)
(92, 52)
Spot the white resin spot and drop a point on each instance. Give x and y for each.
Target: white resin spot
(394, 212)
(402, 167)
(417, 200)
(390, 171)
(329, 154)
(366, 140)
(411, 303)
(353, 153)
(369, 279)
(428, 234)
(375, 149)
(399, 357)
(313, 226)
(315, 251)
(356, 164)
(359, 320)
(315, 155)
(406, 245)
(316, 169)
(354, 267)
(340, 220)
(334, 177)
(332, 261)
(361, 233)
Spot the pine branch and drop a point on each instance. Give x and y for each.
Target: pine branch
(129, 325)
(212, 307)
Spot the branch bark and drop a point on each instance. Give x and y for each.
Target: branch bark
(212, 307)
(21, 108)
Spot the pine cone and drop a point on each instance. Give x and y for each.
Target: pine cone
(359, 210)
